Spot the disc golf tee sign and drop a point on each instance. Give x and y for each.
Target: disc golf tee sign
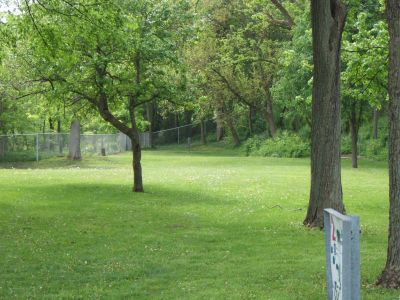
(342, 237)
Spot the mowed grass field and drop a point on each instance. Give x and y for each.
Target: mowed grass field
(211, 225)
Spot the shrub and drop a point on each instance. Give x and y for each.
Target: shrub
(283, 145)
(253, 144)
(18, 156)
(346, 144)
(375, 150)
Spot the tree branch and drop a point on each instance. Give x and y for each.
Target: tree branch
(32, 94)
(230, 87)
(289, 22)
(34, 23)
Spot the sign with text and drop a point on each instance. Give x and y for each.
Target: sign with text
(342, 237)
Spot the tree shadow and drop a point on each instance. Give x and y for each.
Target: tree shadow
(64, 163)
(90, 194)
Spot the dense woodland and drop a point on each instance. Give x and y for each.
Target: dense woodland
(245, 64)
(280, 77)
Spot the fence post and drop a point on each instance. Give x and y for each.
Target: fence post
(37, 146)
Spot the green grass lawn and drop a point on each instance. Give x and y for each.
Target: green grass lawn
(211, 225)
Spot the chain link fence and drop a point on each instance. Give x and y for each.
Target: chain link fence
(28, 147)
(192, 134)
(37, 146)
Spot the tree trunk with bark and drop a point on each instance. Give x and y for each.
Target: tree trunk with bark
(328, 18)
(375, 124)
(354, 143)
(137, 166)
(390, 277)
(355, 122)
(75, 141)
(136, 149)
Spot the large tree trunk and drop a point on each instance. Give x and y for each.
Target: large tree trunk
(375, 124)
(354, 136)
(328, 18)
(75, 141)
(390, 277)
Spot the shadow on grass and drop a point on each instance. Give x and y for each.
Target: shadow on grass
(89, 194)
(87, 162)
(201, 219)
(219, 149)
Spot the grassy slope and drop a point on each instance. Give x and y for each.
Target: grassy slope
(211, 225)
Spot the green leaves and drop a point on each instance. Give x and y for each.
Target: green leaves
(365, 56)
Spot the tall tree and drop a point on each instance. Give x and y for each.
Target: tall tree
(328, 19)
(390, 276)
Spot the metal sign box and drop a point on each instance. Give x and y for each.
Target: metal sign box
(342, 239)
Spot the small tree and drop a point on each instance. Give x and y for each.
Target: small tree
(114, 56)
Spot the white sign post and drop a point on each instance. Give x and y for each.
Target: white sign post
(342, 237)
